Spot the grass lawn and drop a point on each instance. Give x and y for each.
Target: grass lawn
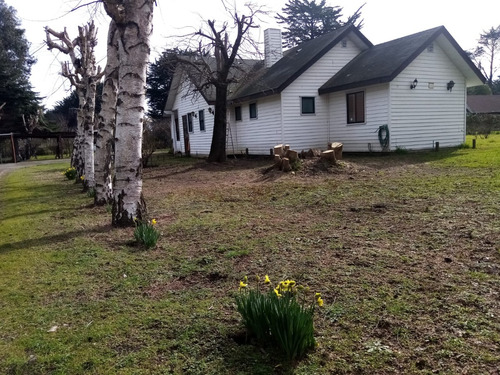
(405, 250)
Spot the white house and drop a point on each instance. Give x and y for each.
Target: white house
(407, 93)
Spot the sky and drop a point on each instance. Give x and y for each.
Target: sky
(384, 20)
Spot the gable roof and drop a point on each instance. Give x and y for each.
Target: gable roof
(483, 104)
(383, 62)
(295, 61)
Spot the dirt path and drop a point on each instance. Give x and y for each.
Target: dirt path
(8, 167)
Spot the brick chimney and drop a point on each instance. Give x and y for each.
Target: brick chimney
(273, 51)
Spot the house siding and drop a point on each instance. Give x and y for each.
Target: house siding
(259, 135)
(313, 131)
(360, 137)
(423, 116)
(200, 141)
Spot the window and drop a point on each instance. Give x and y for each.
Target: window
(253, 110)
(308, 106)
(201, 118)
(237, 113)
(344, 43)
(430, 48)
(177, 132)
(356, 107)
(190, 122)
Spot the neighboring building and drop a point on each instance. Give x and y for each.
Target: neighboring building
(483, 104)
(337, 88)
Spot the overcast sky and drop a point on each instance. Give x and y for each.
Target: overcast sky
(384, 20)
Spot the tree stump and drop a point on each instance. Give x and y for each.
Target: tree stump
(286, 165)
(278, 150)
(292, 155)
(337, 147)
(329, 156)
(278, 162)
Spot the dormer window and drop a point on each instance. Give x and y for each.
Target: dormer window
(430, 48)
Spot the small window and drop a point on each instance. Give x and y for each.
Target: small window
(201, 118)
(190, 122)
(308, 106)
(356, 107)
(253, 110)
(237, 113)
(344, 43)
(430, 48)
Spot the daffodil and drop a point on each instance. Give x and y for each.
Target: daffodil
(267, 280)
(153, 222)
(82, 178)
(277, 292)
(245, 279)
(242, 285)
(317, 295)
(320, 301)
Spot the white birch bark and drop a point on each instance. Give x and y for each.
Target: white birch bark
(106, 123)
(134, 23)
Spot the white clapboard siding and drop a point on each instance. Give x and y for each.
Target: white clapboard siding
(422, 116)
(200, 141)
(361, 137)
(312, 131)
(257, 135)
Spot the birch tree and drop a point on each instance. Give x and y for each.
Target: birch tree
(133, 19)
(106, 122)
(83, 75)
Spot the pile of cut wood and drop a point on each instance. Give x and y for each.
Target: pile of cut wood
(285, 158)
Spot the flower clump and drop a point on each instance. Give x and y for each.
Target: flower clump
(145, 232)
(280, 314)
(70, 173)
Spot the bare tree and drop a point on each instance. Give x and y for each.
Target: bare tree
(133, 19)
(488, 48)
(213, 66)
(106, 122)
(83, 75)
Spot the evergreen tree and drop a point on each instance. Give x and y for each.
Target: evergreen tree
(158, 81)
(305, 20)
(15, 67)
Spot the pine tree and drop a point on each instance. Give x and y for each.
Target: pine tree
(305, 20)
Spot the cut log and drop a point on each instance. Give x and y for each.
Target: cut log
(329, 156)
(286, 165)
(292, 155)
(278, 150)
(278, 161)
(286, 148)
(314, 153)
(337, 147)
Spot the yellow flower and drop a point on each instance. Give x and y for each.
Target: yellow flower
(317, 295)
(82, 178)
(257, 277)
(245, 279)
(320, 301)
(242, 285)
(277, 292)
(267, 280)
(153, 222)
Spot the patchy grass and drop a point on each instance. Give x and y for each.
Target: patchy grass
(405, 249)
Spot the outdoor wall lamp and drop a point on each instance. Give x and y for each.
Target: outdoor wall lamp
(450, 85)
(194, 114)
(413, 84)
(210, 110)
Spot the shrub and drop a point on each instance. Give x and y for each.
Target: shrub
(277, 315)
(70, 173)
(145, 233)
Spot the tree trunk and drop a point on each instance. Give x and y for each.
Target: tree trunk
(88, 129)
(106, 124)
(134, 23)
(77, 159)
(218, 147)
